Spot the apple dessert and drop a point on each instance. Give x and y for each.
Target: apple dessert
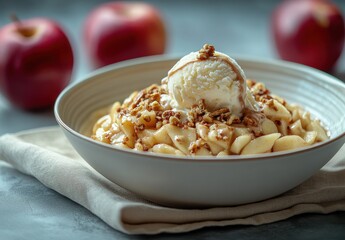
(206, 106)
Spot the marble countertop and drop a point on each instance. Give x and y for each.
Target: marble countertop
(29, 210)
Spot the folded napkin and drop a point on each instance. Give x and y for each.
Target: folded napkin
(46, 154)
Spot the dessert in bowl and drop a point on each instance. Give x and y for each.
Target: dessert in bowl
(265, 146)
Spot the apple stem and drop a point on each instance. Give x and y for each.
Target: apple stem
(25, 31)
(15, 19)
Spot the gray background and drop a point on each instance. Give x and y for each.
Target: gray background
(28, 210)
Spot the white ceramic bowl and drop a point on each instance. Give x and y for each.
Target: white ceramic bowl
(203, 181)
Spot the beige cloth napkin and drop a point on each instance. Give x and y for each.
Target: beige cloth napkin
(47, 155)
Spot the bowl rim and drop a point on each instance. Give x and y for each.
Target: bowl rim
(225, 158)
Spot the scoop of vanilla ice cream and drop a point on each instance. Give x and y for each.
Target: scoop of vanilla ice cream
(217, 79)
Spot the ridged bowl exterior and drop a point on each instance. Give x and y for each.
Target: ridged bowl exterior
(203, 181)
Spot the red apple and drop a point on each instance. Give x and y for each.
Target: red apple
(36, 62)
(118, 31)
(309, 32)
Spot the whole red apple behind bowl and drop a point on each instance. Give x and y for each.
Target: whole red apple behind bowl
(36, 62)
(118, 31)
(309, 32)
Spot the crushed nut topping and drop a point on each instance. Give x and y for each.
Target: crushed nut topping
(206, 52)
(144, 110)
(197, 145)
(248, 121)
(219, 112)
(138, 128)
(270, 104)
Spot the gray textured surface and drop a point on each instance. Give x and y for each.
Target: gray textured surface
(28, 210)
